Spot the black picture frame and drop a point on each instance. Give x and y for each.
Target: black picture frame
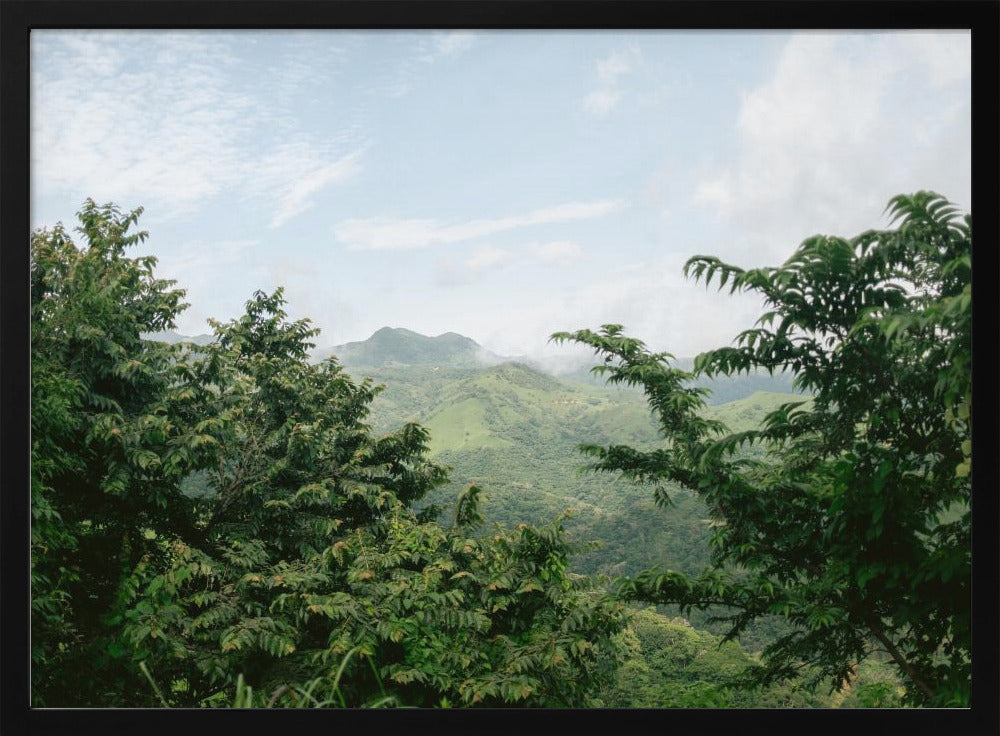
(19, 17)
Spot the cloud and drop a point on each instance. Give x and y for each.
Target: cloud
(610, 70)
(141, 117)
(601, 101)
(652, 299)
(294, 193)
(451, 43)
(396, 234)
(618, 63)
(430, 49)
(485, 260)
(452, 270)
(718, 191)
(557, 252)
(487, 257)
(845, 122)
(199, 256)
(196, 266)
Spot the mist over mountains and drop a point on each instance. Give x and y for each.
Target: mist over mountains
(397, 347)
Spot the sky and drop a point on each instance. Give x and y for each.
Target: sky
(504, 185)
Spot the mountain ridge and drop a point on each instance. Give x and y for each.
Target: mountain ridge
(399, 346)
(172, 337)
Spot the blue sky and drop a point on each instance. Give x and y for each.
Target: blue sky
(500, 184)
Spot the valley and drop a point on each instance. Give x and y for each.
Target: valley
(514, 432)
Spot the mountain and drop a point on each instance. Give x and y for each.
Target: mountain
(399, 347)
(172, 337)
(395, 346)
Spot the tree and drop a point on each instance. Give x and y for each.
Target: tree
(115, 426)
(304, 568)
(852, 517)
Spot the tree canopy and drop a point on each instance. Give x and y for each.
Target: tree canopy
(851, 516)
(302, 572)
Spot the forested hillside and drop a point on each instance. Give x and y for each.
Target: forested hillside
(514, 432)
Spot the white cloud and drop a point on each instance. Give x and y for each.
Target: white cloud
(610, 70)
(845, 122)
(557, 252)
(452, 43)
(652, 299)
(452, 270)
(430, 49)
(395, 234)
(92, 56)
(601, 101)
(294, 192)
(196, 266)
(718, 191)
(618, 63)
(165, 122)
(199, 256)
(486, 257)
(484, 260)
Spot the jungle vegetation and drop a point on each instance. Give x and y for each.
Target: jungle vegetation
(239, 521)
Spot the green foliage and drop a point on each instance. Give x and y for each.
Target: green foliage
(848, 516)
(115, 425)
(220, 517)
(670, 664)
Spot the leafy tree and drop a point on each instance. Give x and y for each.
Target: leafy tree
(854, 523)
(303, 569)
(116, 423)
(321, 565)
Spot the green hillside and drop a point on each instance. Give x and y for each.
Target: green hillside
(515, 432)
(748, 412)
(723, 388)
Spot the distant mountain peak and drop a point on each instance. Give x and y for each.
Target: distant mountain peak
(398, 346)
(393, 331)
